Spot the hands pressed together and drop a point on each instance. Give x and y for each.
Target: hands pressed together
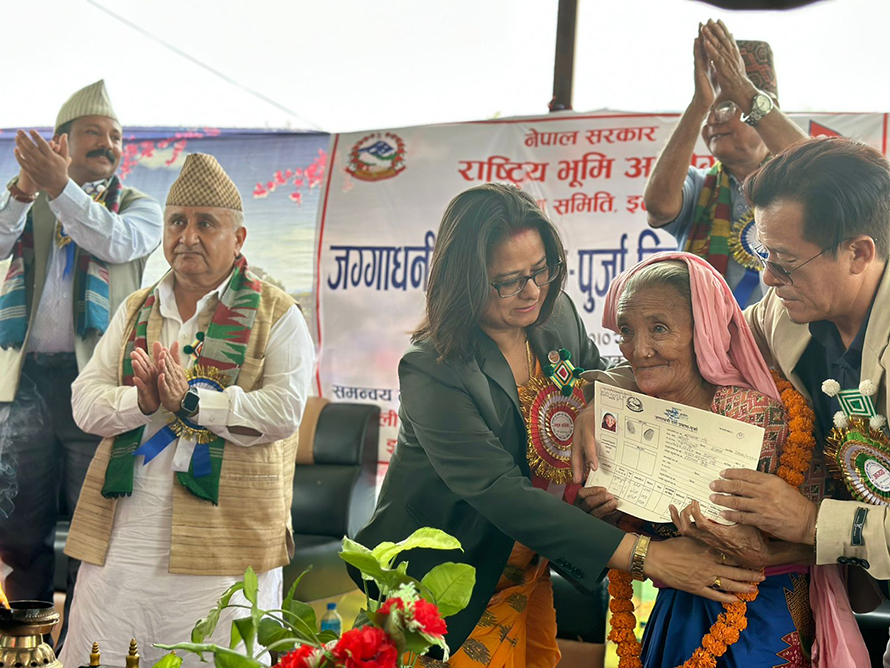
(44, 164)
(159, 383)
(719, 67)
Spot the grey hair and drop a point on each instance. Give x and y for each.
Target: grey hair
(672, 273)
(237, 218)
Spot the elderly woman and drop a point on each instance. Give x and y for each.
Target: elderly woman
(464, 463)
(686, 341)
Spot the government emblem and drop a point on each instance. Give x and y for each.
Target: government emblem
(377, 156)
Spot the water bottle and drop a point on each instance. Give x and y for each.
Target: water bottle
(332, 620)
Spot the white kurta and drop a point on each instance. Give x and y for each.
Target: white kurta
(133, 595)
(111, 237)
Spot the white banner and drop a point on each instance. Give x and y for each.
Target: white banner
(387, 191)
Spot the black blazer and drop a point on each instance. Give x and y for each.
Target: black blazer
(460, 466)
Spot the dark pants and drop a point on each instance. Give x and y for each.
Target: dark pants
(44, 458)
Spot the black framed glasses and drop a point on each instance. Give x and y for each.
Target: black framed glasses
(514, 286)
(778, 271)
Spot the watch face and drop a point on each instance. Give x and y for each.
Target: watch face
(763, 103)
(190, 402)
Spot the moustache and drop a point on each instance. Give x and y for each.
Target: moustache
(102, 153)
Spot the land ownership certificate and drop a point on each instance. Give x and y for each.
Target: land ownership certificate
(654, 453)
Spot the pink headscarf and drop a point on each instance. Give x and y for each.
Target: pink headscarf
(724, 346)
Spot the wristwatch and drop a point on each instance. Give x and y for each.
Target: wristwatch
(18, 194)
(188, 407)
(761, 105)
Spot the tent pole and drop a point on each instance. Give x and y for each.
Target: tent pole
(564, 64)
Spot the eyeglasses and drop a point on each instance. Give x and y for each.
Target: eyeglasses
(541, 277)
(778, 271)
(723, 111)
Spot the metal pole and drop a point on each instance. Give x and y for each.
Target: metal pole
(564, 64)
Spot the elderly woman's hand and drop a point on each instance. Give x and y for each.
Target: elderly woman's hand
(598, 502)
(767, 502)
(686, 564)
(584, 458)
(744, 544)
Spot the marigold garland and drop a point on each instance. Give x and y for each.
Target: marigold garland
(793, 465)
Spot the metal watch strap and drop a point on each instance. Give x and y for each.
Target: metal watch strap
(756, 114)
(641, 549)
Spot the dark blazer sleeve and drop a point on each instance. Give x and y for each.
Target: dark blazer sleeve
(468, 456)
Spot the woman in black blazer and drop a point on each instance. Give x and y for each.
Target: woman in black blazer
(495, 309)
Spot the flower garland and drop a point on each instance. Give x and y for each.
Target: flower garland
(793, 464)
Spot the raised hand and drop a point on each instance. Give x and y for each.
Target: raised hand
(145, 377)
(46, 167)
(172, 381)
(728, 67)
(704, 95)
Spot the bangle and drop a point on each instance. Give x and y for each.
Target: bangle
(20, 195)
(641, 549)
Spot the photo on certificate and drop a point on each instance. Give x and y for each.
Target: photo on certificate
(655, 453)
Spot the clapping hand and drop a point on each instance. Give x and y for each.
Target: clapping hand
(172, 382)
(44, 163)
(704, 88)
(145, 377)
(728, 68)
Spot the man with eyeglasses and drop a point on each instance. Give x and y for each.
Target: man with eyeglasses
(823, 217)
(735, 108)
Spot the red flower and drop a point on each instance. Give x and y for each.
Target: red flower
(386, 608)
(367, 647)
(427, 615)
(299, 658)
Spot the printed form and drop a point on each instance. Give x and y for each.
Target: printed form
(654, 453)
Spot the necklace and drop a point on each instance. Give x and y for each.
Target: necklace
(528, 359)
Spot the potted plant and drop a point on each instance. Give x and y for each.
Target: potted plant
(403, 623)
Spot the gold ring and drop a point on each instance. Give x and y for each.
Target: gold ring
(717, 584)
(722, 558)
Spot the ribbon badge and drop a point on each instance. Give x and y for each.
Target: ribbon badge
(200, 377)
(858, 449)
(550, 403)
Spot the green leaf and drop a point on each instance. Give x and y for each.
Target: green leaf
(362, 619)
(246, 628)
(327, 636)
(365, 562)
(236, 637)
(426, 537)
(251, 585)
(270, 631)
(450, 586)
(170, 660)
(225, 658)
(304, 613)
(204, 628)
(193, 647)
(293, 587)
